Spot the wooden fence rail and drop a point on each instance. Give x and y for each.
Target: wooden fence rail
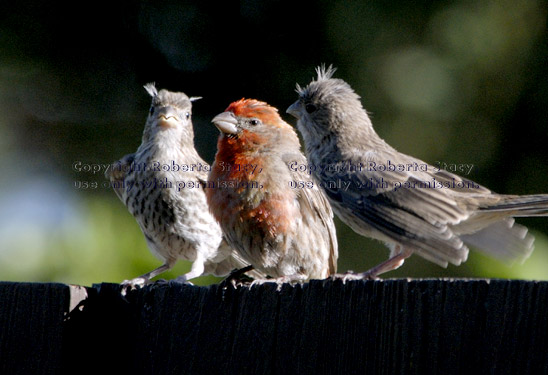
(322, 327)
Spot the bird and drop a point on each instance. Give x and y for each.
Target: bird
(269, 216)
(162, 185)
(410, 205)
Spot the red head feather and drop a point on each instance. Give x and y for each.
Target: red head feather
(255, 108)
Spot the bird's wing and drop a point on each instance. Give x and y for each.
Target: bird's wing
(117, 174)
(315, 206)
(410, 203)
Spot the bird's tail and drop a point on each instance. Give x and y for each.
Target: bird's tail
(228, 261)
(504, 240)
(521, 205)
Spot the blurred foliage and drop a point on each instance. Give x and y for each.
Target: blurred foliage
(454, 81)
(104, 244)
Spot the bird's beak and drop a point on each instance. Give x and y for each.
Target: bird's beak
(226, 122)
(167, 117)
(295, 109)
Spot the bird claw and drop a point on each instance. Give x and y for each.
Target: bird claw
(280, 281)
(181, 280)
(133, 284)
(351, 276)
(237, 277)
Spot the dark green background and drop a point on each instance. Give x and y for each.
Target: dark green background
(449, 81)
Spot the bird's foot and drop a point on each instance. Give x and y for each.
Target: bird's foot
(351, 275)
(237, 278)
(182, 280)
(133, 284)
(280, 281)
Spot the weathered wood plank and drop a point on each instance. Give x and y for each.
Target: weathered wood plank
(31, 327)
(323, 327)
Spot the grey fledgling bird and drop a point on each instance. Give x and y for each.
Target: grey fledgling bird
(410, 205)
(162, 185)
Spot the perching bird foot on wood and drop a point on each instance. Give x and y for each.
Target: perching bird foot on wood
(238, 278)
(352, 276)
(279, 281)
(133, 284)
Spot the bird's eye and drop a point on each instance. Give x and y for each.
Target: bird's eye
(187, 115)
(310, 108)
(152, 110)
(254, 122)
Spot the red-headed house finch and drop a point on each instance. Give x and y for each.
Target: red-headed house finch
(400, 200)
(174, 218)
(272, 215)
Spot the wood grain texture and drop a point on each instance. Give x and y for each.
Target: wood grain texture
(323, 327)
(31, 327)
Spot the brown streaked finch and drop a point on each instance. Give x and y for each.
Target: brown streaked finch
(408, 204)
(162, 186)
(268, 214)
